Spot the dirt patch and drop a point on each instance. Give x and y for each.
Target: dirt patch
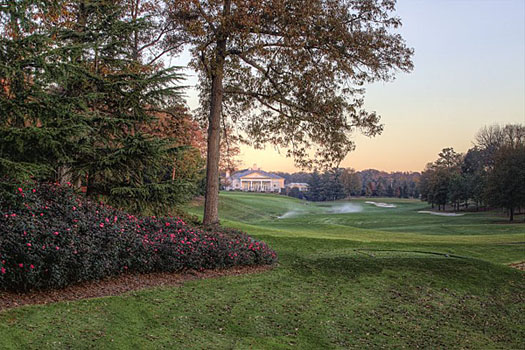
(117, 285)
(520, 265)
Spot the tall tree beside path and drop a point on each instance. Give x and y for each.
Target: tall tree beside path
(288, 72)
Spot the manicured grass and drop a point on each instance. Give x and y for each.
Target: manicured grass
(378, 278)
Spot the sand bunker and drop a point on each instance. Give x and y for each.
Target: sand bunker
(381, 205)
(438, 213)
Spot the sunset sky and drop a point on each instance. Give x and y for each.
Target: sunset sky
(469, 72)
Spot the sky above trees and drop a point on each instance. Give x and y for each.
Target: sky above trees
(468, 73)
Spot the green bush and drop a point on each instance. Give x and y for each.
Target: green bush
(50, 238)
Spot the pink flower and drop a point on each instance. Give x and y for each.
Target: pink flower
(32, 266)
(74, 208)
(20, 189)
(55, 233)
(101, 224)
(29, 244)
(167, 224)
(33, 190)
(21, 265)
(2, 270)
(57, 248)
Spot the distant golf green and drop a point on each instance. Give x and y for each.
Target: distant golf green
(352, 275)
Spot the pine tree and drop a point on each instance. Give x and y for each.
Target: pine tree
(315, 188)
(75, 97)
(39, 126)
(126, 165)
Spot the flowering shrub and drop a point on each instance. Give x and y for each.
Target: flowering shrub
(54, 238)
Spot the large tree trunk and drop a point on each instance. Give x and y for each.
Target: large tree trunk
(511, 214)
(211, 203)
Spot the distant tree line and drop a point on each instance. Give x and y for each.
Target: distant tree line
(490, 174)
(342, 183)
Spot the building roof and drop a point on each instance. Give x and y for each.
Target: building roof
(246, 172)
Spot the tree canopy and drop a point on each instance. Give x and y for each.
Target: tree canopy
(288, 72)
(492, 173)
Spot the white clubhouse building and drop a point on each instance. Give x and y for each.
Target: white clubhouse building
(255, 180)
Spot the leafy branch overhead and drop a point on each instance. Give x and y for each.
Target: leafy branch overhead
(293, 71)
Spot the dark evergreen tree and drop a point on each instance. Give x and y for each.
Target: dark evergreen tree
(404, 190)
(390, 191)
(40, 127)
(75, 95)
(331, 186)
(314, 191)
(296, 193)
(123, 164)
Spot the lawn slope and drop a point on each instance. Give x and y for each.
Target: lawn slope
(378, 278)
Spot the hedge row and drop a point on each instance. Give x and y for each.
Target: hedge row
(53, 238)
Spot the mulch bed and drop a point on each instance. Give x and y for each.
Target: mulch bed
(519, 266)
(117, 285)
